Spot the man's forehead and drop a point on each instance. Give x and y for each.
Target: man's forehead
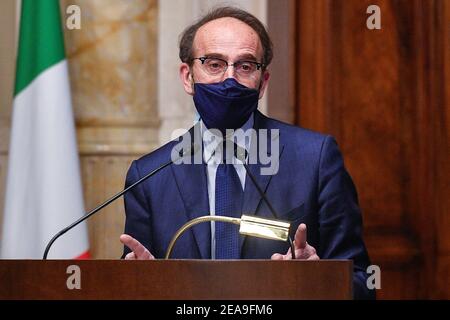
(227, 34)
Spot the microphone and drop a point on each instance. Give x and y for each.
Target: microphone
(241, 154)
(191, 150)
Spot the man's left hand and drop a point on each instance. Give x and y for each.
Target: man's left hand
(303, 250)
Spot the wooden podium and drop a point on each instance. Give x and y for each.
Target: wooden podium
(176, 279)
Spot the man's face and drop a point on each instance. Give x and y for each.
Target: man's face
(231, 40)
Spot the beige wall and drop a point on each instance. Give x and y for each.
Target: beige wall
(112, 62)
(7, 63)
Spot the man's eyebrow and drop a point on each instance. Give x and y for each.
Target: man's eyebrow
(245, 56)
(216, 55)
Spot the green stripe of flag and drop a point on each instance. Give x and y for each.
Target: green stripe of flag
(40, 40)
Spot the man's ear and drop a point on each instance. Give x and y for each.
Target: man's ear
(264, 82)
(187, 79)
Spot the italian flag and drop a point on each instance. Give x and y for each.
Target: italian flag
(43, 189)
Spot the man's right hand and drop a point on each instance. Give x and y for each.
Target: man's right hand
(138, 251)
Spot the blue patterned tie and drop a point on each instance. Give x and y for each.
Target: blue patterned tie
(229, 197)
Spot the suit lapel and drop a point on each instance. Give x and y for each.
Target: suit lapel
(251, 194)
(252, 198)
(192, 185)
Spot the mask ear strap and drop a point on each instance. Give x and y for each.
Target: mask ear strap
(260, 85)
(192, 81)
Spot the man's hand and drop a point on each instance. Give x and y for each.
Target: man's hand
(138, 251)
(303, 250)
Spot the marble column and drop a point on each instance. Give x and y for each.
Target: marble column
(9, 10)
(113, 70)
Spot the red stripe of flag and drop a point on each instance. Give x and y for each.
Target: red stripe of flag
(84, 256)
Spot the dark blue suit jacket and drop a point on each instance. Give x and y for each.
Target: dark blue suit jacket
(312, 186)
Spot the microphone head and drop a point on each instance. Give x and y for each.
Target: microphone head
(264, 228)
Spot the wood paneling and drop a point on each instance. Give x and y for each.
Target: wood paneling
(178, 280)
(439, 99)
(281, 25)
(384, 95)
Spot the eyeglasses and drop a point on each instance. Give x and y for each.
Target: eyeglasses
(217, 67)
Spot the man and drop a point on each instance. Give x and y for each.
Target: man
(224, 67)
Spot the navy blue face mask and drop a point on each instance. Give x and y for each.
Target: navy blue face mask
(225, 105)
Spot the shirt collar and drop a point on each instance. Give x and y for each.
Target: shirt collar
(210, 144)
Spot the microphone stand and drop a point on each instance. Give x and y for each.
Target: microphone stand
(107, 202)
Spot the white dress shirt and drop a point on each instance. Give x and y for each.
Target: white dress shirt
(213, 157)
